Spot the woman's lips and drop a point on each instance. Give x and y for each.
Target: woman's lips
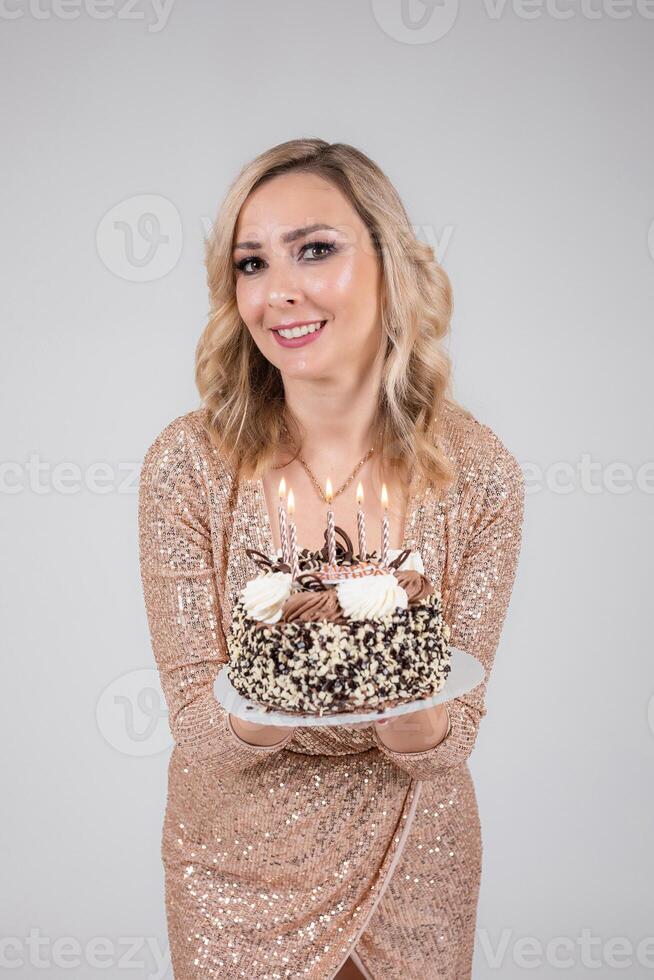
(298, 341)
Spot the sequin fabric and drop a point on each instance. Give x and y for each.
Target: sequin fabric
(280, 861)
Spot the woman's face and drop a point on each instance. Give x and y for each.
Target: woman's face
(328, 277)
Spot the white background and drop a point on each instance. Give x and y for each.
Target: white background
(520, 139)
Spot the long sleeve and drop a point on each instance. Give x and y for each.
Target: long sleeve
(182, 606)
(475, 608)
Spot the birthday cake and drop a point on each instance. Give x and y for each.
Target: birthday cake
(336, 637)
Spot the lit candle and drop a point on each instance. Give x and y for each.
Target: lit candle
(385, 527)
(361, 523)
(331, 535)
(292, 535)
(283, 537)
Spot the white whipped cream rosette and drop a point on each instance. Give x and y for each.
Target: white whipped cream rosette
(264, 596)
(412, 562)
(371, 597)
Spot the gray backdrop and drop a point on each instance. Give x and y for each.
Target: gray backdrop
(519, 135)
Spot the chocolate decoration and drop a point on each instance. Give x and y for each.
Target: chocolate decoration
(402, 557)
(259, 558)
(309, 581)
(310, 607)
(312, 560)
(416, 586)
(344, 551)
(348, 549)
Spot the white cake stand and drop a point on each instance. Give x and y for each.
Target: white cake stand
(465, 673)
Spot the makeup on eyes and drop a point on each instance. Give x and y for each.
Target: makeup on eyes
(331, 249)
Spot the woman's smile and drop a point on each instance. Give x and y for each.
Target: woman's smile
(299, 336)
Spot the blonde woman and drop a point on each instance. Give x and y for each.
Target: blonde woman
(323, 852)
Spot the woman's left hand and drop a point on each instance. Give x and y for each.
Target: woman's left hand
(416, 731)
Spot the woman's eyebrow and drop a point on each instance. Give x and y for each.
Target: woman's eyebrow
(289, 236)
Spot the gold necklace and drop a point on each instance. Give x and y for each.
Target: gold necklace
(317, 485)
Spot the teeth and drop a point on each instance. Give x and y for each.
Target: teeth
(299, 331)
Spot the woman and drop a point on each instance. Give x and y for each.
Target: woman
(340, 851)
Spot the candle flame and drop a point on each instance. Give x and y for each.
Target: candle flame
(359, 493)
(384, 496)
(329, 493)
(282, 488)
(291, 503)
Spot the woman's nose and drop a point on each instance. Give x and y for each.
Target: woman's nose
(282, 287)
(283, 296)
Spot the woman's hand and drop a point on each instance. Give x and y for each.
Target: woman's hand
(416, 731)
(257, 734)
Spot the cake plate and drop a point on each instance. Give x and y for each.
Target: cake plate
(465, 673)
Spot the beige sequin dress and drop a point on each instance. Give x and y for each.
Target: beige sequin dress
(282, 861)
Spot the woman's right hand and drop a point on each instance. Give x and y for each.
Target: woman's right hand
(256, 734)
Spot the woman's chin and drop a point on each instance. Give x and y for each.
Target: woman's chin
(308, 365)
(305, 369)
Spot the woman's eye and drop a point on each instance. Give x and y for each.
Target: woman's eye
(326, 245)
(241, 266)
(328, 248)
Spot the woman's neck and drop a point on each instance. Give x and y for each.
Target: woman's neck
(337, 416)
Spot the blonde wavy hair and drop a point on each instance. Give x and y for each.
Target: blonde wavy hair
(243, 392)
